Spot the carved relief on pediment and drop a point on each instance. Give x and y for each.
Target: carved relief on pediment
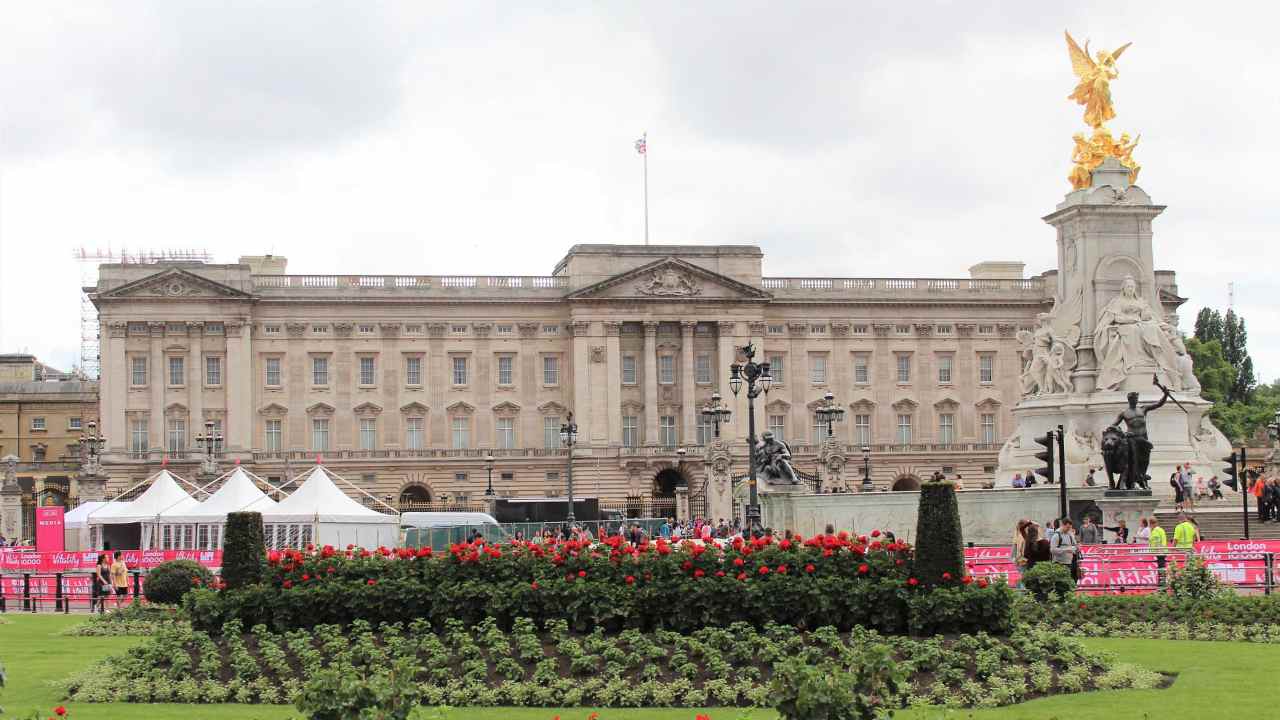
(669, 282)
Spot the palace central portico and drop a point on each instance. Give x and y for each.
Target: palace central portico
(404, 383)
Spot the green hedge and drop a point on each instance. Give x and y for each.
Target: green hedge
(169, 581)
(244, 550)
(939, 539)
(1228, 609)
(683, 590)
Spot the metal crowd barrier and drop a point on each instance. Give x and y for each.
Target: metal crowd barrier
(56, 592)
(1141, 570)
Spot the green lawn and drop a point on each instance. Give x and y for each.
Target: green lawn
(1215, 680)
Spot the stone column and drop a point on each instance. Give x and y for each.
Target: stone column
(797, 385)
(239, 388)
(439, 377)
(391, 367)
(485, 425)
(650, 383)
(581, 380)
(10, 499)
(682, 504)
(157, 378)
(688, 414)
(613, 379)
(195, 381)
(725, 354)
(113, 388)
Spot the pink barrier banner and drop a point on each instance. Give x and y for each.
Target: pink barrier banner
(49, 526)
(77, 589)
(12, 561)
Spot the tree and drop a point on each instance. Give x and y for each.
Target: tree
(1208, 325)
(1235, 349)
(1215, 374)
(244, 552)
(939, 539)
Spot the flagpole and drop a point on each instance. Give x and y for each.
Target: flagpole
(646, 187)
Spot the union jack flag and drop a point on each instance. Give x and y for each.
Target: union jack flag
(642, 145)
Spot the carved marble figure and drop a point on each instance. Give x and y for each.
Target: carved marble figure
(1049, 359)
(1128, 338)
(773, 460)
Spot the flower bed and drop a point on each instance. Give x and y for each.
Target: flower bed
(1224, 609)
(133, 619)
(1221, 632)
(483, 665)
(842, 581)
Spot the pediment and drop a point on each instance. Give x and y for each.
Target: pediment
(414, 408)
(905, 405)
(175, 284)
(320, 408)
(273, 409)
(863, 403)
(670, 279)
(460, 408)
(778, 407)
(946, 403)
(367, 408)
(551, 407)
(989, 402)
(506, 406)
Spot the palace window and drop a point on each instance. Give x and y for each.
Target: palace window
(459, 371)
(319, 329)
(706, 430)
(319, 371)
(777, 329)
(817, 369)
(667, 431)
(214, 328)
(550, 370)
(213, 371)
(461, 431)
(818, 329)
(819, 429)
(272, 431)
(904, 429)
(73, 423)
(943, 329)
(986, 329)
(413, 370)
(550, 329)
(859, 330)
(366, 329)
(551, 432)
(506, 369)
(413, 329)
(944, 369)
(366, 370)
(270, 329)
(37, 423)
(666, 369)
(861, 371)
(506, 431)
(904, 368)
(902, 329)
(320, 434)
(458, 329)
(138, 365)
(986, 368)
(414, 433)
(177, 437)
(946, 428)
(504, 329)
(630, 431)
(368, 433)
(138, 437)
(702, 369)
(272, 367)
(778, 426)
(177, 371)
(778, 369)
(862, 429)
(628, 369)
(988, 428)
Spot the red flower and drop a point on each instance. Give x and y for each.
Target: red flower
(782, 569)
(946, 577)
(764, 569)
(863, 569)
(737, 562)
(631, 579)
(842, 535)
(60, 711)
(875, 533)
(371, 581)
(534, 585)
(913, 582)
(582, 573)
(719, 573)
(686, 565)
(809, 568)
(785, 544)
(698, 573)
(287, 584)
(1081, 606)
(742, 576)
(967, 579)
(594, 716)
(899, 563)
(826, 553)
(273, 557)
(982, 582)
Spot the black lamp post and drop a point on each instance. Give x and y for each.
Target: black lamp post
(830, 412)
(717, 412)
(866, 470)
(569, 436)
(211, 443)
(92, 444)
(488, 466)
(758, 380)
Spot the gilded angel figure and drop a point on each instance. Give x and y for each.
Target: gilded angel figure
(1094, 89)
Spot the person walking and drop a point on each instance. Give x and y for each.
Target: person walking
(1035, 548)
(101, 582)
(1143, 534)
(120, 578)
(1090, 533)
(1185, 533)
(1177, 490)
(1066, 549)
(1159, 544)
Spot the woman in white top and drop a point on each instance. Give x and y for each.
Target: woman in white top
(1143, 536)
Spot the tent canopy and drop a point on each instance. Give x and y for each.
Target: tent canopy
(238, 493)
(319, 499)
(164, 495)
(77, 516)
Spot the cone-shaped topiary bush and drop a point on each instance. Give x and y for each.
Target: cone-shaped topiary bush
(939, 541)
(244, 552)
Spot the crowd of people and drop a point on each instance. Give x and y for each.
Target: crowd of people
(1060, 540)
(1267, 494)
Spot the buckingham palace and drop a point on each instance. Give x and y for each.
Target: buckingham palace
(428, 390)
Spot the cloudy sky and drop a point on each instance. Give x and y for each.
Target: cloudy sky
(845, 138)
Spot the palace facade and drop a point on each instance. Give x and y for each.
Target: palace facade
(405, 383)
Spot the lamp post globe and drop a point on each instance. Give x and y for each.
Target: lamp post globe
(756, 378)
(569, 436)
(867, 486)
(488, 466)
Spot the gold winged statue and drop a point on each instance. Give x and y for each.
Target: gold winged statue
(1094, 89)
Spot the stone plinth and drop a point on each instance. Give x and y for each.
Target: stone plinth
(987, 517)
(11, 512)
(1117, 505)
(91, 487)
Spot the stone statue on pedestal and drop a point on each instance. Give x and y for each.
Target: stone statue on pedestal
(773, 461)
(1129, 453)
(10, 471)
(1129, 338)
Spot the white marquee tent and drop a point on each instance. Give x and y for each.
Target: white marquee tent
(320, 512)
(75, 527)
(130, 525)
(199, 527)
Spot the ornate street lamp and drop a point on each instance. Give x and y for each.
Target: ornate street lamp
(569, 436)
(488, 465)
(830, 412)
(758, 380)
(716, 412)
(866, 470)
(92, 444)
(211, 443)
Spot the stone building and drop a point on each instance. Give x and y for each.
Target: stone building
(42, 416)
(405, 383)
